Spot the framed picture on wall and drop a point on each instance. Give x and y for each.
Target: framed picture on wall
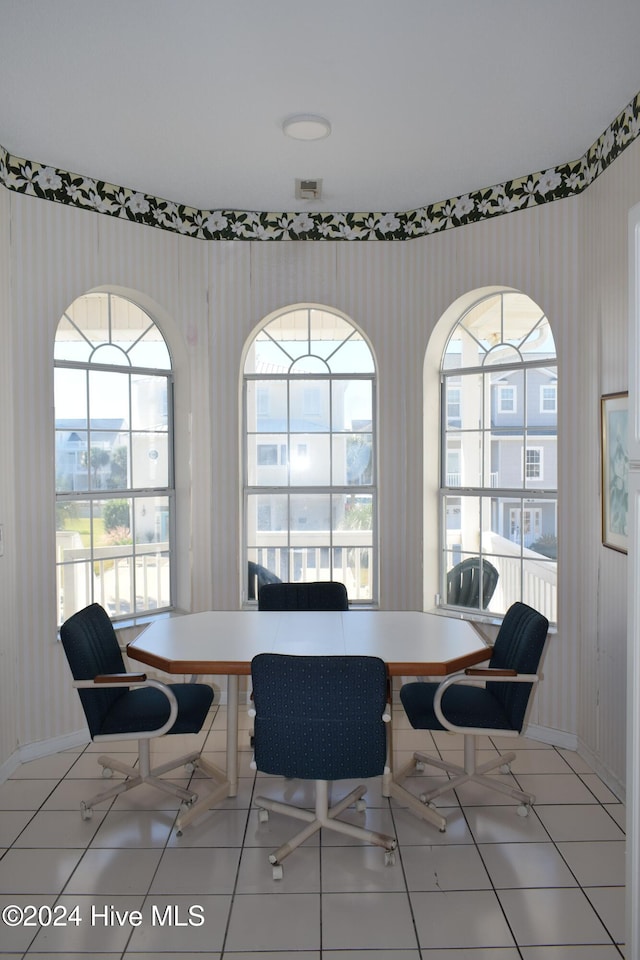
(614, 412)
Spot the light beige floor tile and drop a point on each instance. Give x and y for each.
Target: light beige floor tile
(526, 865)
(93, 934)
(460, 919)
(21, 927)
(361, 868)
(373, 921)
(596, 863)
(454, 867)
(195, 872)
(37, 871)
(411, 830)
(125, 829)
(578, 822)
(219, 827)
(45, 768)
(618, 813)
(609, 902)
(70, 793)
(539, 761)
(600, 791)
(283, 922)
(25, 794)
(502, 824)
(301, 872)
(103, 873)
(555, 788)
(570, 952)
(59, 828)
(552, 916)
(12, 823)
(366, 955)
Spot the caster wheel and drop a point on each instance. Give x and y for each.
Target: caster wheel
(389, 858)
(523, 810)
(361, 805)
(277, 872)
(263, 815)
(505, 768)
(419, 766)
(189, 767)
(107, 773)
(178, 833)
(85, 812)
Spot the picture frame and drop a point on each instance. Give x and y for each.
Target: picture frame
(614, 417)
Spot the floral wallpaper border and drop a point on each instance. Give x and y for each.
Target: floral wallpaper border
(569, 179)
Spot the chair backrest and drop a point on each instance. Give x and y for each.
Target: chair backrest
(92, 648)
(258, 576)
(519, 646)
(318, 595)
(319, 718)
(463, 583)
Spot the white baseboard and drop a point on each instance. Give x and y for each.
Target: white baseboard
(42, 748)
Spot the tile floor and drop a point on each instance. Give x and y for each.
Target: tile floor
(495, 886)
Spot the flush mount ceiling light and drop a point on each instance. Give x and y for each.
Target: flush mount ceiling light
(306, 126)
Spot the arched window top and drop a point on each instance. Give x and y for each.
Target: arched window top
(103, 328)
(503, 328)
(308, 340)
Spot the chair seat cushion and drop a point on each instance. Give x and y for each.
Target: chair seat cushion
(148, 709)
(462, 704)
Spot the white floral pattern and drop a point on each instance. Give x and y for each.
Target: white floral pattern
(569, 179)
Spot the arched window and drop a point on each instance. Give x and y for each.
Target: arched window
(114, 462)
(498, 484)
(310, 453)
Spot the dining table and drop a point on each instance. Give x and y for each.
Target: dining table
(222, 643)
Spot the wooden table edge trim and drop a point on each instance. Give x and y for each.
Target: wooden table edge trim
(243, 668)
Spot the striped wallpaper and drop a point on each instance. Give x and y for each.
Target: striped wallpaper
(207, 297)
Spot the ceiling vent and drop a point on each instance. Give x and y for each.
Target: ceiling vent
(308, 189)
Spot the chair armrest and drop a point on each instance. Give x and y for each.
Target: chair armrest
(489, 672)
(120, 678)
(139, 680)
(495, 676)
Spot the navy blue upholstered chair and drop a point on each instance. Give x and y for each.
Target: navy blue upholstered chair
(124, 706)
(464, 581)
(497, 707)
(322, 719)
(317, 595)
(258, 577)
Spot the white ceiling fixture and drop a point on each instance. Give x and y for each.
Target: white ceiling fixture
(306, 126)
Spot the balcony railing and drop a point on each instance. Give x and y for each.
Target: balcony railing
(123, 583)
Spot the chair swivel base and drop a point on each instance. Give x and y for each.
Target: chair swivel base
(324, 816)
(473, 773)
(135, 776)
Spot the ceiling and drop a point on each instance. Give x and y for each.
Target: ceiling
(427, 99)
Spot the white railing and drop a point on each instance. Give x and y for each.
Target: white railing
(122, 584)
(532, 578)
(311, 562)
